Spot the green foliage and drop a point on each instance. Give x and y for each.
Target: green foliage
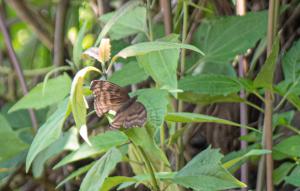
(56, 90)
(147, 62)
(155, 101)
(211, 85)
(130, 73)
(185, 117)
(294, 177)
(166, 60)
(148, 47)
(100, 170)
(77, 50)
(99, 144)
(132, 22)
(78, 102)
(281, 172)
(222, 39)
(266, 75)
(12, 144)
(67, 141)
(289, 147)
(291, 67)
(116, 17)
(48, 133)
(205, 172)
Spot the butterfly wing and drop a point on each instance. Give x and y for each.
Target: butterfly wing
(108, 96)
(131, 114)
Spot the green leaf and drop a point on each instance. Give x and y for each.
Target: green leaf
(75, 174)
(185, 117)
(67, 141)
(100, 144)
(222, 39)
(78, 102)
(205, 172)
(143, 137)
(289, 146)
(281, 172)
(210, 84)
(117, 16)
(111, 182)
(294, 177)
(56, 90)
(147, 47)
(266, 74)
(155, 101)
(204, 99)
(48, 133)
(161, 65)
(132, 22)
(95, 177)
(253, 152)
(11, 144)
(130, 73)
(290, 62)
(77, 50)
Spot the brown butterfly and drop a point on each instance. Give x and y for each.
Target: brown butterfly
(109, 96)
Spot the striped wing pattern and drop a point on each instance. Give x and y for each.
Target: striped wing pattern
(109, 96)
(131, 114)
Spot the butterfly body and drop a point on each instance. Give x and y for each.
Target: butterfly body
(109, 96)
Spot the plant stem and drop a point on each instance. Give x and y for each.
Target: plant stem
(15, 63)
(294, 129)
(180, 159)
(241, 10)
(268, 142)
(150, 168)
(27, 73)
(149, 20)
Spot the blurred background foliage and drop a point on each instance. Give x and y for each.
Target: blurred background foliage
(49, 38)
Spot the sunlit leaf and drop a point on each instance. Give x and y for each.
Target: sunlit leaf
(78, 102)
(147, 47)
(56, 90)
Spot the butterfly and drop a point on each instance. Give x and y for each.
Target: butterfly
(109, 96)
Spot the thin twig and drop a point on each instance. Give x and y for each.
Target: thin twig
(60, 18)
(14, 61)
(166, 10)
(243, 65)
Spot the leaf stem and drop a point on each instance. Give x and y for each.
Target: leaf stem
(149, 20)
(149, 168)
